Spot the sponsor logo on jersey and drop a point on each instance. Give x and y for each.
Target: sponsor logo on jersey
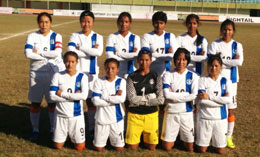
(131, 44)
(189, 81)
(52, 41)
(151, 81)
(94, 43)
(117, 87)
(78, 84)
(224, 87)
(167, 41)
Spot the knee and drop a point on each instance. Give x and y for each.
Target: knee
(132, 147)
(119, 149)
(58, 145)
(99, 149)
(221, 150)
(167, 146)
(80, 146)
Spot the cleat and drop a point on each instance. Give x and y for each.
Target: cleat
(34, 137)
(230, 143)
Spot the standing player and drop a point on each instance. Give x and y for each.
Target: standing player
(43, 48)
(231, 53)
(109, 93)
(214, 93)
(123, 45)
(195, 43)
(88, 45)
(180, 88)
(69, 88)
(162, 45)
(144, 92)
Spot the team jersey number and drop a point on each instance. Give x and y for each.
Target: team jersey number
(160, 50)
(124, 50)
(69, 90)
(228, 58)
(180, 90)
(216, 93)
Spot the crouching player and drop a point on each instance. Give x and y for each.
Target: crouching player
(180, 88)
(68, 89)
(109, 93)
(214, 94)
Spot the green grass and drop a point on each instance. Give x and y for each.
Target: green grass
(14, 107)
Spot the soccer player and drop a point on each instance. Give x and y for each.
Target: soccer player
(89, 46)
(214, 94)
(180, 88)
(109, 93)
(43, 48)
(144, 92)
(123, 45)
(231, 53)
(162, 44)
(68, 89)
(195, 43)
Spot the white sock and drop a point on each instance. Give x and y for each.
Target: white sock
(230, 130)
(51, 117)
(35, 120)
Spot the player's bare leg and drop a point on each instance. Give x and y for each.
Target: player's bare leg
(132, 146)
(79, 146)
(188, 146)
(58, 145)
(150, 146)
(167, 145)
(202, 149)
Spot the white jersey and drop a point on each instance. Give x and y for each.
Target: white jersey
(189, 43)
(180, 90)
(83, 46)
(70, 103)
(216, 107)
(228, 51)
(121, 48)
(109, 108)
(49, 49)
(159, 45)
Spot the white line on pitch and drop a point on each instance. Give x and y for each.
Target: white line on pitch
(33, 30)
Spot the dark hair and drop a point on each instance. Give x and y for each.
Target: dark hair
(121, 15)
(86, 13)
(215, 57)
(142, 52)
(159, 16)
(178, 52)
(107, 61)
(70, 53)
(43, 14)
(227, 22)
(187, 21)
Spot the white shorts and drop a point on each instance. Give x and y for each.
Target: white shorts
(233, 105)
(74, 127)
(39, 86)
(114, 131)
(211, 129)
(175, 122)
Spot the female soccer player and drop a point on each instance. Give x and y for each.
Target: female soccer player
(144, 92)
(195, 43)
(68, 89)
(231, 53)
(214, 94)
(123, 45)
(180, 88)
(109, 93)
(89, 46)
(162, 44)
(44, 49)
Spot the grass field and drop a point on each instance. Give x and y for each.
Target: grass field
(14, 107)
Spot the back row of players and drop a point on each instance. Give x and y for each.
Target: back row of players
(44, 49)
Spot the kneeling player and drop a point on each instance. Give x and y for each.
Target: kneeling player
(108, 94)
(68, 89)
(214, 94)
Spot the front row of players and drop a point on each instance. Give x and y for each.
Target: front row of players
(179, 89)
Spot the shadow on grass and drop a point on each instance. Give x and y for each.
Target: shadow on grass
(15, 120)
